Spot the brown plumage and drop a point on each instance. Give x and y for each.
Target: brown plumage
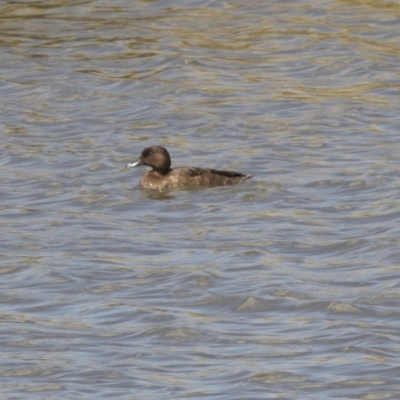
(162, 177)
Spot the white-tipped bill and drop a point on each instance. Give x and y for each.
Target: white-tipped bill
(135, 164)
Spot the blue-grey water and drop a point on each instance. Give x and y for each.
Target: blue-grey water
(284, 287)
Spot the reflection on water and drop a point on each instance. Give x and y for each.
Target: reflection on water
(283, 287)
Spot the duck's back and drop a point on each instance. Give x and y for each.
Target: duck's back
(203, 177)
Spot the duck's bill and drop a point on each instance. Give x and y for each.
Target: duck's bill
(135, 164)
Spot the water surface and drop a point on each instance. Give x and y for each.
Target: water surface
(285, 287)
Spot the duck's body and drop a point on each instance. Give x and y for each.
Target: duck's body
(163, 178)
(189, 177)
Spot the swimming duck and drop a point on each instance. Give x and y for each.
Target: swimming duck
(162, 177)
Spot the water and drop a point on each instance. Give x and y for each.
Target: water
(284, 287)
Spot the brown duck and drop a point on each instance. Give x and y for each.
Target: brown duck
(162, 177)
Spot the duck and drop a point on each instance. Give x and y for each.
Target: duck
(164, 178)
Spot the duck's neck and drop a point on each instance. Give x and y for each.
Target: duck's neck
(163, 171)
